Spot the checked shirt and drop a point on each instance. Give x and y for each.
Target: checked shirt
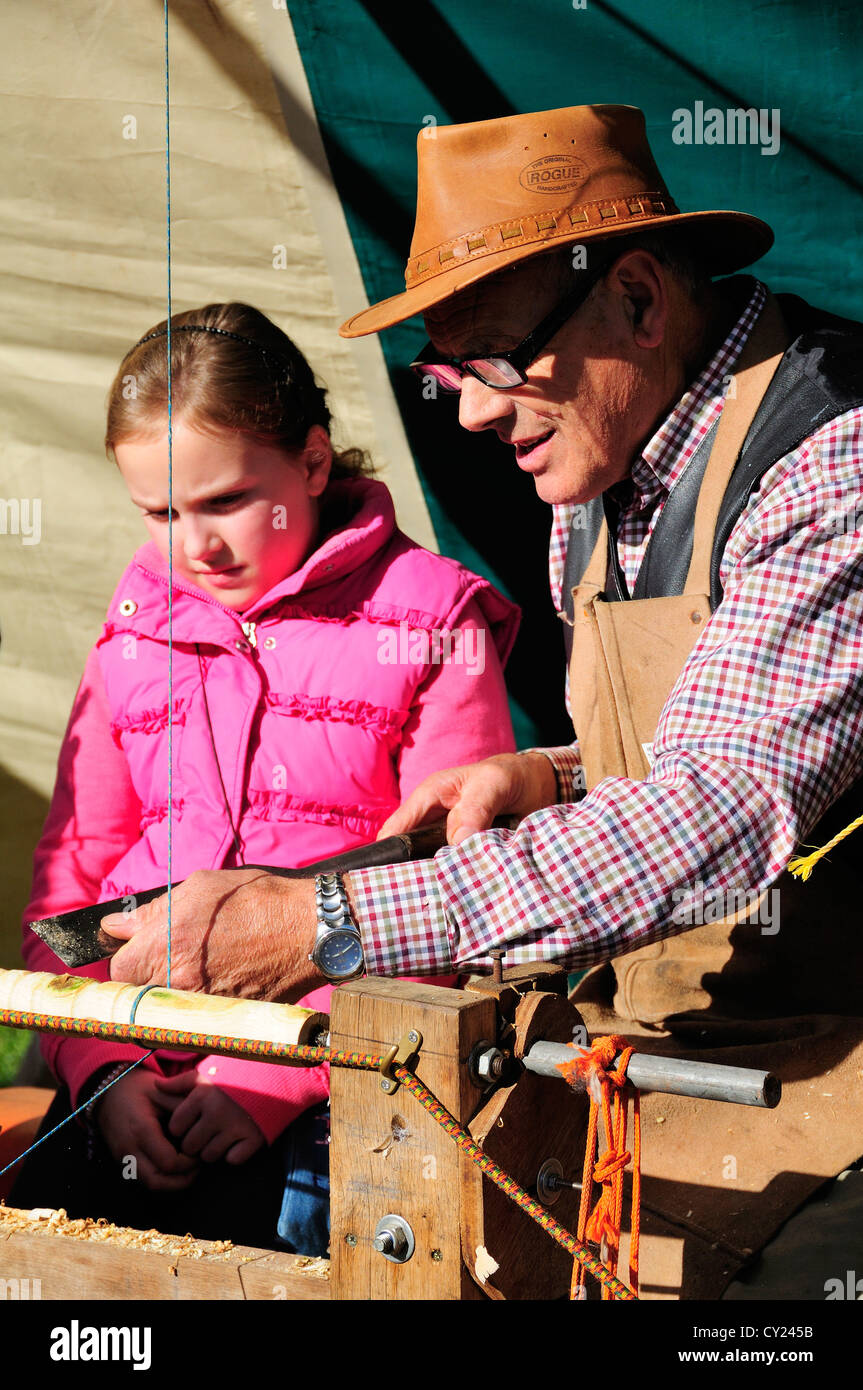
(759, 736)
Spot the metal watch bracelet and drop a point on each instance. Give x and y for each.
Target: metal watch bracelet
(331, 903)
(338, 950)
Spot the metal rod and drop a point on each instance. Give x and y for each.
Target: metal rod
(674, 1075)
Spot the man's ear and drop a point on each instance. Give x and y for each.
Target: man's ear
(640, 280)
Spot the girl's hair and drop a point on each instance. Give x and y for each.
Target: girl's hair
(231, 369)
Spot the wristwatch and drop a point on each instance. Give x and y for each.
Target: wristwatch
(338, 950)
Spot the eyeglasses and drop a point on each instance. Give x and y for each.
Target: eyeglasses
(504, 370)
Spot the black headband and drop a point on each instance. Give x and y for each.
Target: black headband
(205, 328)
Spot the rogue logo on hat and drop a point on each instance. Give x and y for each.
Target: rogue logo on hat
(493, 193)
(548, 174)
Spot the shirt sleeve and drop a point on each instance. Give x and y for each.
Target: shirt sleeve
(93, 818)
(759, 736)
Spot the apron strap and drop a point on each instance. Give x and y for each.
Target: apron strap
(756, 367)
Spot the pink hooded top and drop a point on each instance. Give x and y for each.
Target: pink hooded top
(312, 715)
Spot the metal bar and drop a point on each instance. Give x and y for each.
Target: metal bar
(674, 1075)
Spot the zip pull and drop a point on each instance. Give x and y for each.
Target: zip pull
(249, 630)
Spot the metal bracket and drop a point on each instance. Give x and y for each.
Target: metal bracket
(402, 1055)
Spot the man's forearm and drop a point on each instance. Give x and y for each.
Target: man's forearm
(402, 922)
(574, 884)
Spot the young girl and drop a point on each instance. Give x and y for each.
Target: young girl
(308, 696)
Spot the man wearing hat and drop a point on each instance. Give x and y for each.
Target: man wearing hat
(700, 443)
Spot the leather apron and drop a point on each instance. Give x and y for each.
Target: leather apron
(719, 1179)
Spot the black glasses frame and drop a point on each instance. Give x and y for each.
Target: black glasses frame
(518, 358)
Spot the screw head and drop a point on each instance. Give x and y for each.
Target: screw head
(413, 1036)
(437, 1256)
(350, 1238)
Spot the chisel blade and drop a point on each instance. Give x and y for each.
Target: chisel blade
(77, 937)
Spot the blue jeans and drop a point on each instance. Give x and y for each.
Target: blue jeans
(304, 1220)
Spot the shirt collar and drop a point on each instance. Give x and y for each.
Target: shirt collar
(666, 455)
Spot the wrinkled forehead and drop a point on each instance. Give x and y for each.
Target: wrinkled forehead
(495, 313)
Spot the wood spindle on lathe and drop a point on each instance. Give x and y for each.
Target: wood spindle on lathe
(78, 997)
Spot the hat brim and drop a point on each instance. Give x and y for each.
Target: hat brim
(726, 241)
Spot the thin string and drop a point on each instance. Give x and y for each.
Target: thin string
(170, 499)
(136, 1001)
(81, 1108)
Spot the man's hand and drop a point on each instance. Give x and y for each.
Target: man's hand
(130, 1118)
(241, 932)
(208, 1122)
(509, 784)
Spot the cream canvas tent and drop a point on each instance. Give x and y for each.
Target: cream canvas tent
(254, 217)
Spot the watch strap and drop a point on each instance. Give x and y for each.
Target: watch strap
(331, 905)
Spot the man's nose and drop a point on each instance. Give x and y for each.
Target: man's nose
(479, 407)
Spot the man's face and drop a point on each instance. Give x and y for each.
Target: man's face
(578, 420)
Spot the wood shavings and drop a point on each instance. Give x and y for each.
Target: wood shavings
(486, 1265)
(47, 1221)
(313, 1265)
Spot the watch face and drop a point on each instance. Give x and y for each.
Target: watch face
(340, 954)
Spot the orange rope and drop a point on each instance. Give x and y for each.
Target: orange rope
(602, 1226)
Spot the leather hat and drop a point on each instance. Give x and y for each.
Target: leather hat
(493, 193)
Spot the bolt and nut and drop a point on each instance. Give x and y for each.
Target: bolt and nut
(490, 1064)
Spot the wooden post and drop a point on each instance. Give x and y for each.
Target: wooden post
(387, 1155)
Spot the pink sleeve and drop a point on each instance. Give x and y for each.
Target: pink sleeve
(461, 713)
(272, 1095)
(92, 821)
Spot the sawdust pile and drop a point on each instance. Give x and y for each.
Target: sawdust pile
(47, 1221)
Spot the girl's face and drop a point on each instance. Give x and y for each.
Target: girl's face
(245, 514)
